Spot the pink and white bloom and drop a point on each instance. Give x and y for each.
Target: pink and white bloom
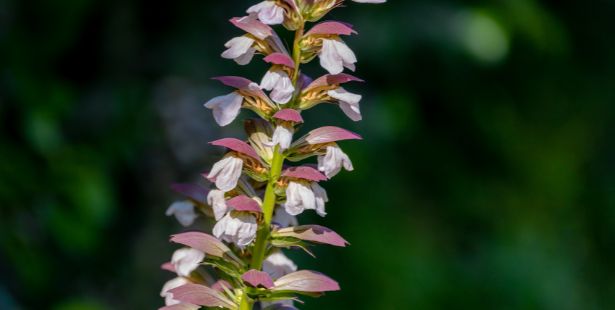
(236, 227)
(226, 173)
(348, 102)
(183, 211)
(225, 108)
(300, 197)
(268, 12)
(186, 260)
(282, 136)
(278, 265)
(335, 55)
(280, 84)
(333, 161)
(240, 49)
(169, 285)
(216, 200)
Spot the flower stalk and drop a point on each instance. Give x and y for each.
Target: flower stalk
(254, 197)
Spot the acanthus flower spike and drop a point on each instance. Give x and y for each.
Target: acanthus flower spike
(255, 197)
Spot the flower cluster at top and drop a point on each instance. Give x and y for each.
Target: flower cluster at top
(255, 197)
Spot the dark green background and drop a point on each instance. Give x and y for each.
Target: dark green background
(486, 179)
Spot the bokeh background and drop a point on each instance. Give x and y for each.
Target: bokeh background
(486, 179)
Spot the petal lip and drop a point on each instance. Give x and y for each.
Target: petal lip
(244, 203)
(280, 59)
(313, 233)
(290, 115)
(331, 27)
(306, 173)
(329, 134)
(191, 191)
(257, 278)
(237, 146)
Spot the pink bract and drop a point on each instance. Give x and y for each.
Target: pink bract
(237, 146)
(244, 203)
(201, 295)
(257, 279)
(289, 115)
(329, 134)
(313, 233)
(306, 281)
(280, 59)
(331, 27)
(306, 173)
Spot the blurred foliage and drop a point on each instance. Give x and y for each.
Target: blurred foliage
(486, 178)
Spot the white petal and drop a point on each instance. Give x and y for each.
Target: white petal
(299, 198)
(225, 108)
(169, 285)
(278, 265)
(282, 136)
(333, 161)
(236, 227)
(246, 58)
(237, 47)
(268, 12)
(270, 79)
(321, 198)
(186, 260)
(226, 173)
(346, 54)
(329, 57)
(281, 84)
(216, 200)
(353, 111)
(348, 102)
(183, 211)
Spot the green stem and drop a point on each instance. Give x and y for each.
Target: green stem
(246, 302)
(262, 237)
(260, 248)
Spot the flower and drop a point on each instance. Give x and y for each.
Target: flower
(183, 211)
(300, 197)
(225, 108)
(226, 173)
(282, 136)
(268, 12)
(335, 55)
(278, 265)
(333, 161)
(240, 49)
(278, 81)
(283, 219)
(169, 285)
(216, 200)
(349, 102)
(186, 260)
(236, 227)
